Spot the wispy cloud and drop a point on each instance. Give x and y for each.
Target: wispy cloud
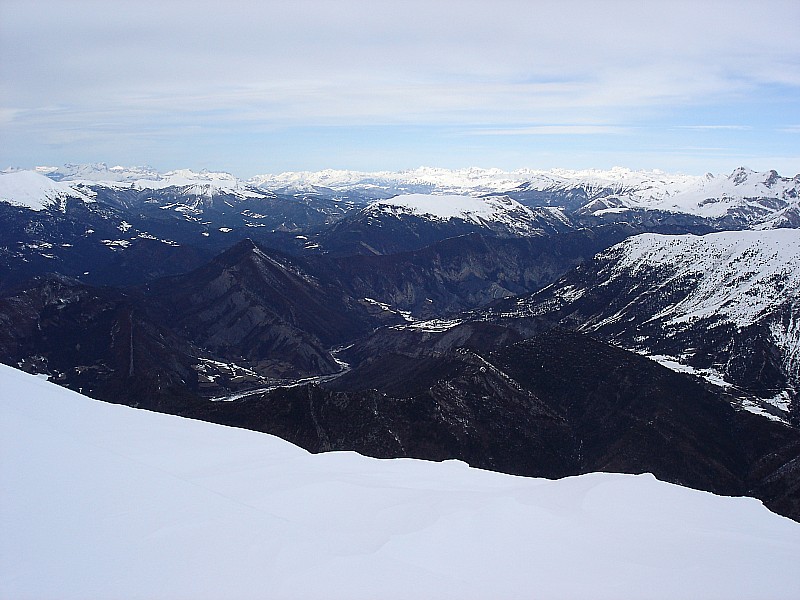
(790, 129)
(714, 127)
(555, 130)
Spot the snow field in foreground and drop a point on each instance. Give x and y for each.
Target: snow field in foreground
(105, 501)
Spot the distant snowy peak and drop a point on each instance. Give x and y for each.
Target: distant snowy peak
(188, 182)
(748, 196)
(743, 193)
(474, 181)
(203, 183)
(99, 172)
(32, 190)
(618, 180)
(492, 212)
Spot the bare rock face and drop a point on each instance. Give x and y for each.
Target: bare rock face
(469, 271)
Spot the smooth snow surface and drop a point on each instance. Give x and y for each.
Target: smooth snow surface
(105, 501)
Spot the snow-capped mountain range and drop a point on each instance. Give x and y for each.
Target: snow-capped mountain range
(746, 197)
(112, 502)
(743, 193)
(474, 180)
(193, 182)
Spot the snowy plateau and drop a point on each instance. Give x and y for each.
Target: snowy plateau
(105, 501)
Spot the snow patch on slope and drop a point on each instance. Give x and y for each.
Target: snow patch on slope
(780, 401)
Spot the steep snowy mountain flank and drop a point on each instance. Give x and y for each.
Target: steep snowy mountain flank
(738, 277)
(727, 303)
(106, 501)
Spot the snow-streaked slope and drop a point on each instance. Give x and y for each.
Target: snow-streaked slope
(724, 305)
(104, 501)
(738, 276)
(493, 212)
(35, 191)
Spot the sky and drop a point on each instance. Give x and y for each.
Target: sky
(270, 86)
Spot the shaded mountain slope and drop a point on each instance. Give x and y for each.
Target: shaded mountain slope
(265, 308)
(450, 406)
(469, 271)
(99, 341)
(410, 222)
